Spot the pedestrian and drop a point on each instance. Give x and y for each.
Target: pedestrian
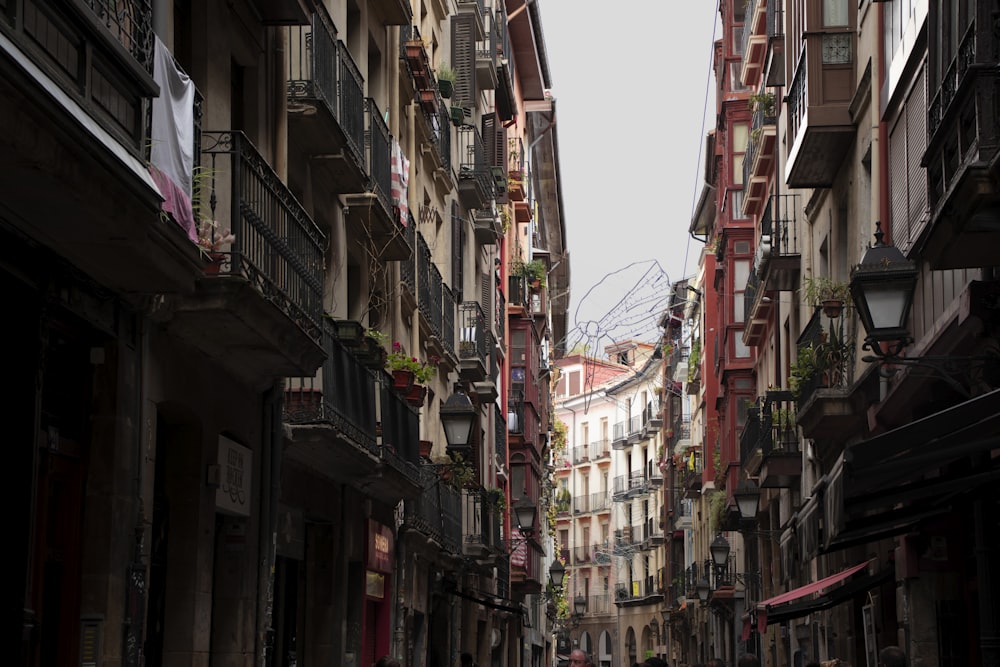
(716, 662)
(467, 660)
(387, 661)
(748, 660)
(892, 656)
(655, 661)
(579, 658)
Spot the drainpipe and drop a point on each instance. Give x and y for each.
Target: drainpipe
(280, 157)
(270, 486)
(881, 188)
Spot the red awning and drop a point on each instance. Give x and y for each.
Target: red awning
(802, 591)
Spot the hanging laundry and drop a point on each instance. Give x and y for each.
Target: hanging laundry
(400, 182)
(172, 134)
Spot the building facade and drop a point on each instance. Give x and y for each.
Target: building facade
(230, 227)
(865, 453)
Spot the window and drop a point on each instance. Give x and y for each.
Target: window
(835, 13)
(741, 273)
(741, 133)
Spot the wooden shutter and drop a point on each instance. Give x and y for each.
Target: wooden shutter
(495, 138)
(457, 251)
(463, 57)
(916, 143)
(897, 178)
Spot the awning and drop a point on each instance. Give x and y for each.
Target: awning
(763, 608)
(885, 485)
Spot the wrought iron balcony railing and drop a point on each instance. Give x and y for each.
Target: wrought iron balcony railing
(320, 68)
(278, 248)
(437, 512)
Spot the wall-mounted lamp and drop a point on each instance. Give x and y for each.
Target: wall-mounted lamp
(882, 287)
(524, 513)
(747, 496)
(458, 415)
(557, 574)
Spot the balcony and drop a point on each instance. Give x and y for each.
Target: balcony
(828, 410)
(600, 450)
(372, 210)
(259, 312)
(777, 264)
(774, 64)
(472, 342)
(76, 174)
(582, 555)
(619, 441)
(819, 118)
(652, 536)
(638, 592)
(754, 42)
(486, 225)
(436, 513)
(475, 179)
(392, 12)
(435, 144)
(326, 107)
(487, 50)
(481, 534)
(769, 443)
(962, 156)
(333, 428)
(758, 163)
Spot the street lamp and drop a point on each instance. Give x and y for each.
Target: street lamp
(579, 605)
(458, 415)
(747, 495)
(882, 287)
(720, 551)
(524, 514)
(703, 588)
(557, 574)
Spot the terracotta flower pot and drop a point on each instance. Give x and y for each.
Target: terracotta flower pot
(402, 380)
(416, 395)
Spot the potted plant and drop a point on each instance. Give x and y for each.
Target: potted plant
(446, 81)
(457, 473)
(495, 499)
(763, 102)
(533, 271)
(372, 354)
(211, 239)
(408, 370)
(832, 295)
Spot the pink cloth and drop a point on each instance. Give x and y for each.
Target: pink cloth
(176, 202)
(400, 182)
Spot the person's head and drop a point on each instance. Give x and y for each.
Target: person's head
(655, 662)
(387, 661)
(891, 656)
(716, 662)
(466, 659)
(748, 660)
(579, 658)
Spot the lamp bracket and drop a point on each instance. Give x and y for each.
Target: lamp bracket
(977, 368)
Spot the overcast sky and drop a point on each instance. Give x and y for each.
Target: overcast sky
(630, 80)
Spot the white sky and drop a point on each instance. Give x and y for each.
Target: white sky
(631, 79)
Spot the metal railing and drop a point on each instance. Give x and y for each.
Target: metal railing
(277, 246)
(378, 143)
(320, 67)
(131, 24)
(343, 395)
(472, 333)
(437, 512)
